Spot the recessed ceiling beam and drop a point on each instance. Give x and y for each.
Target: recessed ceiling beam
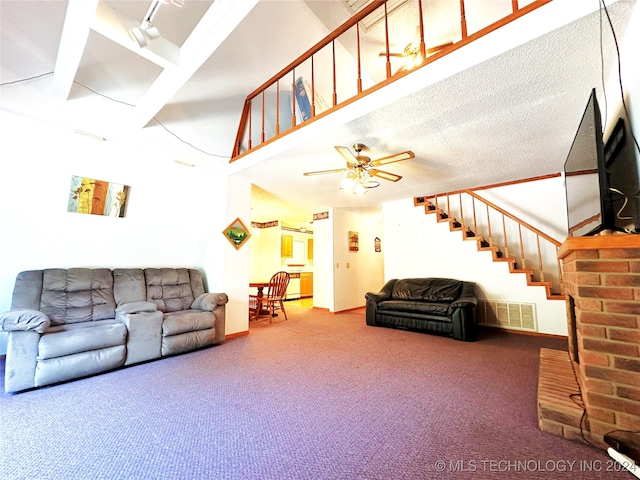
(222, 17)
(80, 14)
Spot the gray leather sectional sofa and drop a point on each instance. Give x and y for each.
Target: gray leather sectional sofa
(71, 323)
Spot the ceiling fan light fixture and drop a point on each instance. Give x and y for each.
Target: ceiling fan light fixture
(367, 182)
(412, 57)
(349, 181)
(359, 189)
(361, 173)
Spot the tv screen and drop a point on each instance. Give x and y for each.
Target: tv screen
(589, 207)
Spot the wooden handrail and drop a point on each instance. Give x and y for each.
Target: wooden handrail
(515, 219)
(466, 38)
(320, 45)
(584, 223)
(501, 184)
(501, 241)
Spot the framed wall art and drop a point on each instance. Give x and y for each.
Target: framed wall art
(237, 233)
(97, 197)
(353, 242)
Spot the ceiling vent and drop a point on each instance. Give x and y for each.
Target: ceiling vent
(355, 6)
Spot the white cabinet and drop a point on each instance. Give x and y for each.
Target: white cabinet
(293, 290)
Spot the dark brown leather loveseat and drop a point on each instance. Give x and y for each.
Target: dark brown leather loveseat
(438, 305)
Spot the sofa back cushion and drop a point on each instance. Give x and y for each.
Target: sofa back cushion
(77, 295)
(169, 288)
(129, 285)
(27, 290)
(439, 290)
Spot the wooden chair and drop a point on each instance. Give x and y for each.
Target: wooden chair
(274, 298)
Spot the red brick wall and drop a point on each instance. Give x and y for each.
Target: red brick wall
(604, 282)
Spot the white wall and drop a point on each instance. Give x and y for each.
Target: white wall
(236, 262)
(337, 287)
(165, 222)
(540, 204)
(418, 246)
(355, 273)
(323, 281)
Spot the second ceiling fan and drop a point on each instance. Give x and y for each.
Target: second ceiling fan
(360, 169)
(412, 55)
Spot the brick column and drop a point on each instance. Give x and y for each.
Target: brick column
(602, 284)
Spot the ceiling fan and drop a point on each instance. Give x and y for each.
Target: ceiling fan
(360, 169)
(411, 54)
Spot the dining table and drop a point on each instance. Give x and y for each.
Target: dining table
(260, 285)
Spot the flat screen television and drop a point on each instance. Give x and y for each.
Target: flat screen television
(589, 200)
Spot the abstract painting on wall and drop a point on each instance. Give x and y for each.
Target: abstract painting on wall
(97, 197)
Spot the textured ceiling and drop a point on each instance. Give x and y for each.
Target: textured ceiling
(492, 111)
(510, 117)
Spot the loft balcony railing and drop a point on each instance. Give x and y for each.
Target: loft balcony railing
(363, 55)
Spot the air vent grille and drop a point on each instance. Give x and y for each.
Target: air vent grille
(510, 315)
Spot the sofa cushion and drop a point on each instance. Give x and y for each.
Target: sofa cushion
(188, 341)
(128, 285)
(427, 308)
(176, 323)
(77, 295)
(169, 288)
(75, 338)
(443, 290)
(60, 369)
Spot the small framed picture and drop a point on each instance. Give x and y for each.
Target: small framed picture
(353, 242)
(237, 233)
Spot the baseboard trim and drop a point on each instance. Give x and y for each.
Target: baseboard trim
(236, 334)
(525, 332)
(349, 309)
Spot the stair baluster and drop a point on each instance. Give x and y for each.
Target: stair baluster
(506, 243)
(498, 242)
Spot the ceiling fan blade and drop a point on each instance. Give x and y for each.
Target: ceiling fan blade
(385, 175)
(348, 156)
(398, 157)
(391, 54)
(321, 172)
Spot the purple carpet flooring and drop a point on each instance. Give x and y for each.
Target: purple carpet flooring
(319, 396)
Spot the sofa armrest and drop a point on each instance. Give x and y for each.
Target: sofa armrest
(209, 301)
(131, 313)
(376, 297)
(136, 307)
(468, 297)
(383, 294)
(462, 302)
(22, 320)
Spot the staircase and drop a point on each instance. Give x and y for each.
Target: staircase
(525, 249)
